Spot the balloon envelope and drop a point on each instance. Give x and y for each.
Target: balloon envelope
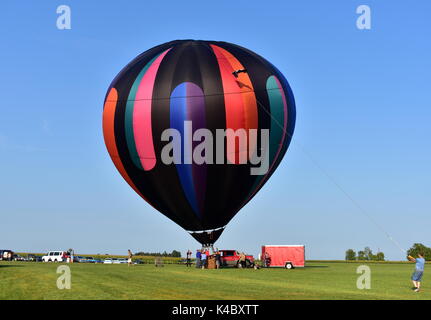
(198, 90)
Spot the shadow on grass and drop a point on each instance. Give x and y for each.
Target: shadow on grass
(10, 266)
(307, 267)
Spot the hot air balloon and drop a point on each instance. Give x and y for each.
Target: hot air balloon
(198, 90)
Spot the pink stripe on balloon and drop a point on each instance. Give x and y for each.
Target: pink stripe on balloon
(142, 128)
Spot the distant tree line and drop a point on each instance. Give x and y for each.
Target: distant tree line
(173, 254)
(364, 255)
(367, 254)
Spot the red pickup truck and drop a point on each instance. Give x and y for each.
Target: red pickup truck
(230, 258)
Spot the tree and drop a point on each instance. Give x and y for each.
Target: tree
(364, 255)
(380, 256)
(368, 253)
(176, 254)
(350, 255)
(361, 255)
(417, 248)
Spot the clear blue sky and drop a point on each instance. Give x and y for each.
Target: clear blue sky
(363, 115)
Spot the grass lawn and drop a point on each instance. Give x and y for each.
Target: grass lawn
(319, 280)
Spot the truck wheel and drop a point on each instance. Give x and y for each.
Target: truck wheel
(288, 265)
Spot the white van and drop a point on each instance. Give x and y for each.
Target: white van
(55, 256)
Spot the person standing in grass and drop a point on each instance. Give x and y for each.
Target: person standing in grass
(242, 263)
(218, 259)
(189, 258)
(267, 260)
(203, 259)
(130, 255)
(198, 258)
(419, 271)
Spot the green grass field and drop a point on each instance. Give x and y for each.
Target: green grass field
(319, 280)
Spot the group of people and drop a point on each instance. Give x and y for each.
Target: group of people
(202, 257)
(7, 255)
